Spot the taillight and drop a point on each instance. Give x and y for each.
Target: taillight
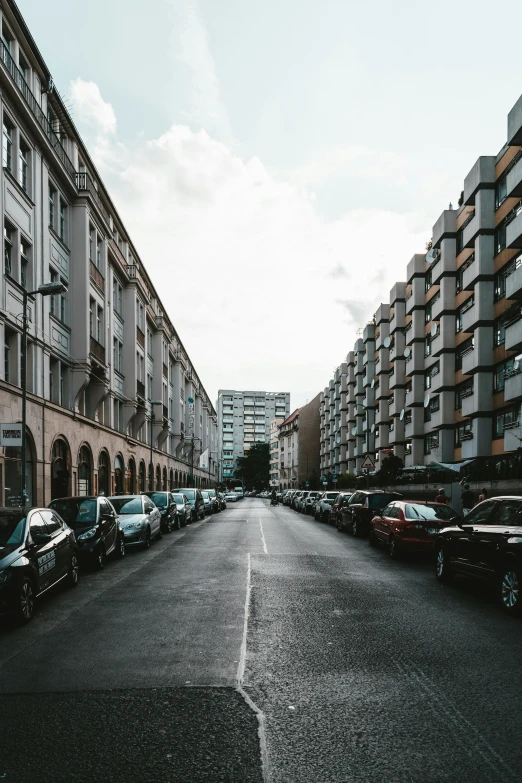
(407, 530)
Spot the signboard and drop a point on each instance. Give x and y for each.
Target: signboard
(203, 460)
(10, 434)
(335, 476)
(325, 481)
(190, 413)
(368, 463)
(307, 484)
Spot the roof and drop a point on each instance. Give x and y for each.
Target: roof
(292, 417)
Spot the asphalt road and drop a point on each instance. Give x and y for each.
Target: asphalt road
(261, 645)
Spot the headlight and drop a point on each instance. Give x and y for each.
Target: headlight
(88, 534)
(133, 526)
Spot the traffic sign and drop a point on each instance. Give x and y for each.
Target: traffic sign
(325, 481)
(335, 476)
(307, 483)
(368, 463)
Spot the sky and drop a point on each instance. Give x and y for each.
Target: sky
(277, 164)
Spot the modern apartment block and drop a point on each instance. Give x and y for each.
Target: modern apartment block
(243, 419)
(101, 352)
(299, 446)
(436, 375)
(274, 452)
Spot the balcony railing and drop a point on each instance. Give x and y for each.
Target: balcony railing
(97, 350)
(36, 110)
(96, 276)
(140, 389)
(140, 337)
(84, 183)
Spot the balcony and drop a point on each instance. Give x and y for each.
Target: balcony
(96, 276)
(514, 280)
(469, 230)
(514, 177)
(85, 184)
(140, 337)
(140, 389)
(514, 333)
(97, 350)
(514, 227)
(513, 386)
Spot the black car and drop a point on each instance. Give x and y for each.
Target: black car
(195, 498)
(363, 505)
(486, 544)
(37, 550)
(96, 526)
(167, 506)
(215, 502)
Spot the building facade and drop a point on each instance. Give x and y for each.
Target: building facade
(100, 353)
(299, 446)
(274, 452)
(243, 419)
(435, 377)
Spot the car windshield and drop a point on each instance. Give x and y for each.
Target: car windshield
(179, 499)
(159, 498)
(190, 493)
(76, 511)
(12, 527)
(420, 511)
(127, 505)
(205, 495)
(380, 500)
(330, 496)
(211, 493)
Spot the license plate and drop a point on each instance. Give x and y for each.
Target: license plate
(432, 531)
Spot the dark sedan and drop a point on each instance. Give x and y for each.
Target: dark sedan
(37, 550)
(486, 544)
(96, 526)
(362, 507)
(167, 507)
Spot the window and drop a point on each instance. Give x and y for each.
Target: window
(506, 419)
(499, 373)
(98, 253)
(7, 360)
(62, 226)
(52, 207)
(464, 348)
(462, 391)
(92, 310)
(149, 341)
(501, 191)
(8, 249)
(24, 262)
(459, 280)
(23, 166)
(507, 512)
(91, 243)
(500, 286)
(53, 277)
(500, 239)
(431, 442)
(99, 325)
(140, 367)
(117, 355)
(480, 514)
(140, 312)
(427, 312)
(117, 296)
(428, 280)
(463, 432)
(499, 331)
(7, 145)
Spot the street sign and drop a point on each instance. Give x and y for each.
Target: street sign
(307, 483)
(335, 476)
(325, 481)
(368, 463)
(10, 434)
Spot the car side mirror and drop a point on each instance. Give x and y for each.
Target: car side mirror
(148, 511)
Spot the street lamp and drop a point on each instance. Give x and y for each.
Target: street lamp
(192, 459)
(152, 420)
(46, 289)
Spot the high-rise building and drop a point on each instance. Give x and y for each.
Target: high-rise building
(107, 372)
(243, 419)
(299, 439)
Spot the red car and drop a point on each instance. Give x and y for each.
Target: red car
(410, 525)
(335, 510)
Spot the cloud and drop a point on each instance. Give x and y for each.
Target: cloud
(249, 271)
(90, 108)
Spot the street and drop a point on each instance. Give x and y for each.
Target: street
(261, 645)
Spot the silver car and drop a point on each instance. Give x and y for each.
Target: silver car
(140, 519)
(183, 508)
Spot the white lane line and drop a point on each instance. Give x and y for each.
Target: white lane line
(265, 550)
(239, 683)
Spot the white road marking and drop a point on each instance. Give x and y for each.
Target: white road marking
(239, 684)
(265, 550)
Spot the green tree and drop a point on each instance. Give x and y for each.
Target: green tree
(254, 468)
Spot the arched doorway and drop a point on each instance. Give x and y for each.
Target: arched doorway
(85, 471)
(142, 476)
(158, 478)
(150, 482)
(176, 482)
(171, 479)
(104, 472)
(131, 473)
(13, 473)
(60, 469)
(119, 475)
(164, 487)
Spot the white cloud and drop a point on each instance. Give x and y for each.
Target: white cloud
(91, 110)
(262, 289)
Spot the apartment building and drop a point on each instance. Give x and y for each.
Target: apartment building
(243, 419)
(436, 377)
(299, 446)
(274, 452)
(100, 353)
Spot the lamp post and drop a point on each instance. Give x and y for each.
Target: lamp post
(192, 459)
(152, 420)
(47, 289)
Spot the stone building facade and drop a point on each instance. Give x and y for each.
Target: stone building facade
(299, 446)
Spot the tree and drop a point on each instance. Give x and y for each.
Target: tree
(390, 469)
(254, 468)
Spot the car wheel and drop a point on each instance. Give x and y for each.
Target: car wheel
(24, 602)
(73, 575)
(510, 583)
(120, 549)
(339, 525)
(393, 548)
(99, 559)
(160, 534)
(443, 570)
(169, 526)
(372, 538)
(146, 543)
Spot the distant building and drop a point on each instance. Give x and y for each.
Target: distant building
(274, 451)
(299, 446)
(243, 419)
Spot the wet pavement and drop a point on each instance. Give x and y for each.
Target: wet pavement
(262, 645)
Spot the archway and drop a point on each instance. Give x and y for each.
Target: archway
(104, 472)
(13, 473)
(176, 482)
(171, 479)
(60, 469)
(119, 475)
(131, 472)
(164, 487)
(158, 478)
(142, 476)
(85, 470)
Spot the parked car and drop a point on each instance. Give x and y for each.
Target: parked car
(195, 499)
(486, 544)
(215, 505)
(323, 505)
(343, 498)
(410, 525)
(362, 507)
(296, 498)
(231, 497)
(287, 500)
(223, 502)
(140, 519)
(165, 502)
(183, 508)
(207, 502)
(96, 527)
(299, 503)
(37, 550)
(307, 506)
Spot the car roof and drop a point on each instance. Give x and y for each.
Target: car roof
(80, 497)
